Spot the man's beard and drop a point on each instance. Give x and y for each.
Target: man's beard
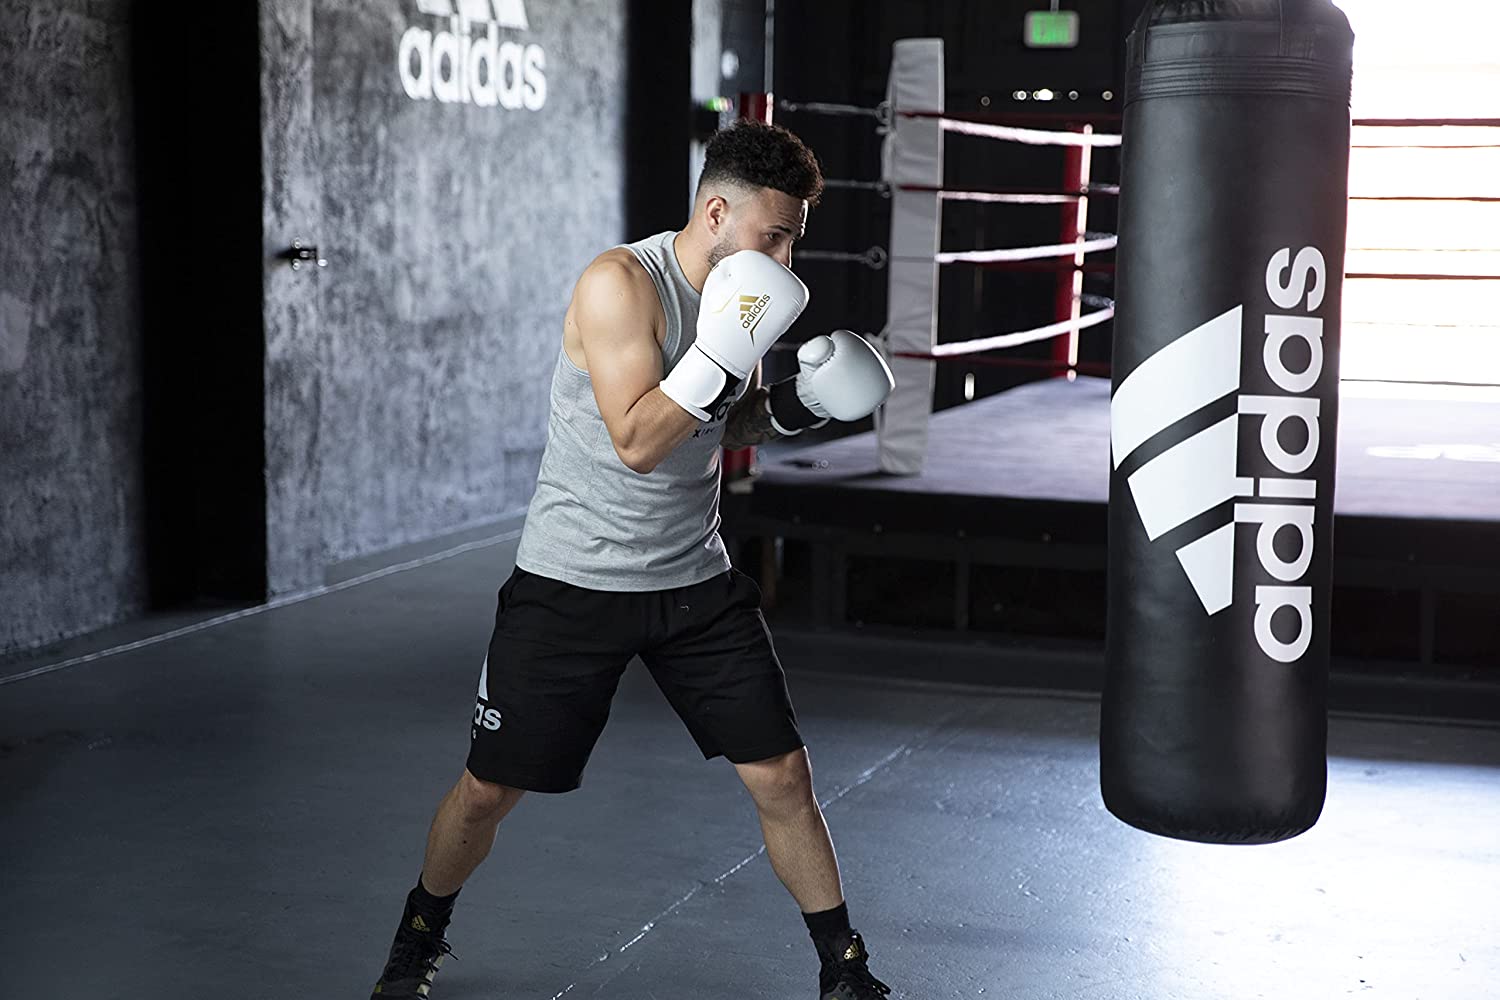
(721, 249)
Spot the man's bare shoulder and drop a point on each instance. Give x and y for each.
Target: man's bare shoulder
(616, 301)
(613, 275)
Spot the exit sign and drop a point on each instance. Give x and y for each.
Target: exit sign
(1051, 29)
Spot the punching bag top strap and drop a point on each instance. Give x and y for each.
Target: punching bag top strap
(1275, 11)
(1281, 48)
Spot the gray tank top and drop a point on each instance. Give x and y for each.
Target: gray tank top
(592, 521)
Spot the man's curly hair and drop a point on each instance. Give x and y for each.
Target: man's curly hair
(755, 154)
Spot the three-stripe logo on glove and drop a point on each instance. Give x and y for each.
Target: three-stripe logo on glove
(752, 308)
(1202, 472)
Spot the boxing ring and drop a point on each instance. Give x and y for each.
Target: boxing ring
(1416, 511)
(989, 518)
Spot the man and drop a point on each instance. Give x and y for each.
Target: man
(622, 534)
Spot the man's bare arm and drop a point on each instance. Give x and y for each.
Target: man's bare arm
(612, 309)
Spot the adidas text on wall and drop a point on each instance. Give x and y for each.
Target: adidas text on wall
(459, 57)
(1202, 472)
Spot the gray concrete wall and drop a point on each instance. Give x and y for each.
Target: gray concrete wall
(71, 492)
(407, 382)
(406, 385)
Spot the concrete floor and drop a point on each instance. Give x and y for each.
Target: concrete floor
(239, 811)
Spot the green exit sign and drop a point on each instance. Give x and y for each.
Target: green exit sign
(1051, 29)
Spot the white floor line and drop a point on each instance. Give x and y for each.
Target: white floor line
(279, 602)
(864, 776)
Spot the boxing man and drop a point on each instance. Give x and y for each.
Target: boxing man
(620, 555)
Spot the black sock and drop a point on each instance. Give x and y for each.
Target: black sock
(425, 902)
(830, 930)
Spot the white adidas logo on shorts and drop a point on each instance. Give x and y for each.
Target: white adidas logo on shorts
(485, 716)
(1200, 473)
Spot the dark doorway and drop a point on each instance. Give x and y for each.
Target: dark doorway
(197, 83)
(659, 43)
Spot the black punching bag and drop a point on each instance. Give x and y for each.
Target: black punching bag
(1223, 418)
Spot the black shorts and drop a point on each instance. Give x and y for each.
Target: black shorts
(558, 652)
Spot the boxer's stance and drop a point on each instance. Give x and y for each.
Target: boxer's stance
(621, 555)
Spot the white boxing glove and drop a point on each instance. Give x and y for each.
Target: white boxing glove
(748, 302)
(840, 377)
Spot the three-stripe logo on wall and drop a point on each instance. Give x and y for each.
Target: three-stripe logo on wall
(506, 13)
(1200, 473)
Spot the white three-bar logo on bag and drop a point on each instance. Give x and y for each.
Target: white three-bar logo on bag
(1202, 472)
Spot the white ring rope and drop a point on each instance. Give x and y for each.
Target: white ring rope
(1029, 136)
(1010, 199)
(1024, 337)
(1027, 253)
(1002, 197)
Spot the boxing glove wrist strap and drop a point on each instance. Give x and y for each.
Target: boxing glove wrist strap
(699, 384)
(789, 415)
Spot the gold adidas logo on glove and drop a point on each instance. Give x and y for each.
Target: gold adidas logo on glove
(752, 307)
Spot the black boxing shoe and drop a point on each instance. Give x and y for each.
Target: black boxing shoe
(845, 975)
(416, 955)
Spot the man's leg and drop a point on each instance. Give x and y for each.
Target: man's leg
(463, 832)
(720, 672)
(461, 837)
(803, 858)
(543, 699)
(797, 839)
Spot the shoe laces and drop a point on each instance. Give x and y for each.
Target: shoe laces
(414, 955)
(850, 975)
(861, 983)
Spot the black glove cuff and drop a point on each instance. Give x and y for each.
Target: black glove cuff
(717, 407)
(787, 408)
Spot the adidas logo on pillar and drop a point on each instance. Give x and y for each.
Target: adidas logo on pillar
(1202, 472)
(465, 61)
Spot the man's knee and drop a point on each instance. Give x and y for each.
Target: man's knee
(485, 800)
(781, 783)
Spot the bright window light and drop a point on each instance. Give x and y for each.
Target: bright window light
(1402, 329)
